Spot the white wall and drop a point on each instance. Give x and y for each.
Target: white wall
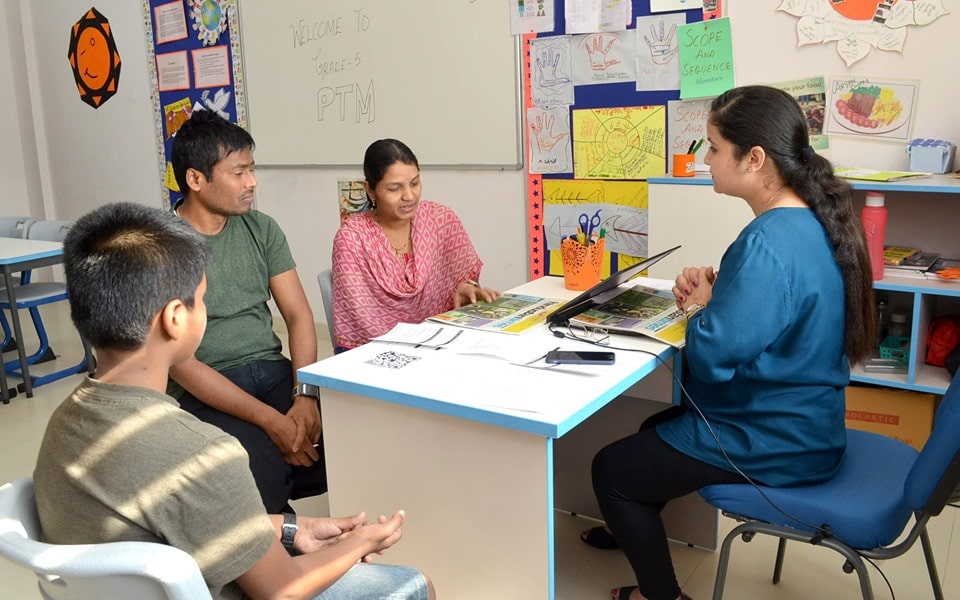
(73, 158)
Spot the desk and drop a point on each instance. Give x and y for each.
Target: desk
(476, 477)
(22, 255)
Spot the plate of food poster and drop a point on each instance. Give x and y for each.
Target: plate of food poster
(872, 108)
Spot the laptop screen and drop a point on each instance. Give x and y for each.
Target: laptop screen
(597, 294)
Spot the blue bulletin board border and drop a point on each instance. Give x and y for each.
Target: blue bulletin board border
(227, 99)
(609, 95)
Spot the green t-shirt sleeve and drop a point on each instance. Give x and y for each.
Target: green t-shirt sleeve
(277, 251)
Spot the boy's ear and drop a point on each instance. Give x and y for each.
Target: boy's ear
(172, 319)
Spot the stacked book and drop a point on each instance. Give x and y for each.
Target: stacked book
(905, 261)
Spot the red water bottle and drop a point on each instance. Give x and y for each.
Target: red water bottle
(874, 218)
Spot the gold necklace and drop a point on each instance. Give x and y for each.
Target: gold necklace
(770, 201)
(406, 243)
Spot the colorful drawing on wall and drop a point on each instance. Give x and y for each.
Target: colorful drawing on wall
(94, 58)
(209, 19)
(606, 57)
(878, 109)
(658, 67)
(352, 197)
(811, 94)
(549, 137)
(619, 143)
(551, 72)
(175, 115)
(621, 205)
(859, 25)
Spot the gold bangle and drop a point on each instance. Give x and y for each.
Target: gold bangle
(692, 309)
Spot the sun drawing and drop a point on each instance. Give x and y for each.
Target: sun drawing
(859, 25)
(94, 58)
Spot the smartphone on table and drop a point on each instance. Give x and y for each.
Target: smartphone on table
(577, 357)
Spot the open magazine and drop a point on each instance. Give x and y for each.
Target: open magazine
(639, 310)
(510, 313)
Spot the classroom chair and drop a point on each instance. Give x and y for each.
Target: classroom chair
(325, 279)
(11, 227)
(142, 570)
(863, 509)
(30, 296)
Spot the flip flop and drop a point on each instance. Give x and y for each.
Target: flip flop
(598, 537)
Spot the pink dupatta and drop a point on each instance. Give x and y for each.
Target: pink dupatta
(373, 289)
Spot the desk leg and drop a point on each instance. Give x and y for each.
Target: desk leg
(478, 497)
(6, 393)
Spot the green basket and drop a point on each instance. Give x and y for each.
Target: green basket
(895, 347)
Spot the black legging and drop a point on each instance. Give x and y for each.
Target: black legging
(633, 479)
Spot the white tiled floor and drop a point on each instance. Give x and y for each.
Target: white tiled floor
(809, 573)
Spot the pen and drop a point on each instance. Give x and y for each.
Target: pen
(694, 146)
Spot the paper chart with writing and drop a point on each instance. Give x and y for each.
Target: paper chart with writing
(658, 66)
(551, 72)
(811, 94)
(531, 16)
(657, 6)
(706, 58)
(857, 26)
(687, 125)
(606, 57)
(622, 207)
(619, 143)
(549, 135)
(588, 16)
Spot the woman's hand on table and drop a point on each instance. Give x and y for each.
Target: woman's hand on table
(469, 292)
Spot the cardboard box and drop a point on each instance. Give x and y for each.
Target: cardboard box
(902, 415)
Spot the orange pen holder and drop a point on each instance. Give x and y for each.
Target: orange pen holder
(684, 165)
(581, 264)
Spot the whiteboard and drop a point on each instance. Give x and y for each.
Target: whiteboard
(324, 79)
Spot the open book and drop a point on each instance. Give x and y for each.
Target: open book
(639, 310)
(510, 313)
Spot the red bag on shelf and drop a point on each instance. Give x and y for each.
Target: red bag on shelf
(943, 336)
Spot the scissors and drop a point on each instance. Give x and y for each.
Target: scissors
(588, 224)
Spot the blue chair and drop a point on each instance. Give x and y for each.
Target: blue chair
(30, 296)
(863, 509)
(11, 227)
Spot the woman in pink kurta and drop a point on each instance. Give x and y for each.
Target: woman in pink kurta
(404, 260)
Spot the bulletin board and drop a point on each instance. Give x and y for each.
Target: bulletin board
(324, 79)
(633, 122)
(194, 62)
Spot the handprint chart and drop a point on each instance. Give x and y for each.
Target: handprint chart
(551, 81)
(549, 135)
(658, 67)
(604, 57)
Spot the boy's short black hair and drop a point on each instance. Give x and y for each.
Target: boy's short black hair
(124, 262)
(203, 141)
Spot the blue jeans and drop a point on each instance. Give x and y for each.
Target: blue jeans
(271, 382)
(373, 581)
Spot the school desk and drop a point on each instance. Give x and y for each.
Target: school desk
(22, 255)
(475, 450)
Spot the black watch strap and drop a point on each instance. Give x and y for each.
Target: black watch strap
(288, 531)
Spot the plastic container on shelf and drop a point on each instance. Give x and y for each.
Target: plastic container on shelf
(874, 218)
(895, 347)
(898, 325)
(882, 313)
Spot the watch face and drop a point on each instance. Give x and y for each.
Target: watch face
(305, 389)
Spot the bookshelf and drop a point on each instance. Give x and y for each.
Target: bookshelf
(921, 212)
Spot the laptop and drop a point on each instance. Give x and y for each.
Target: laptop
(597, 295)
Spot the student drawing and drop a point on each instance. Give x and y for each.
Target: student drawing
(658, 67)
(604, 57)
(551, 83)
(550, 150)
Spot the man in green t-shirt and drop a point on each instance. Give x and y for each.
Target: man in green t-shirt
(239, 380)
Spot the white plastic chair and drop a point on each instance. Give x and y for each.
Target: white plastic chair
(325, 279)
(141, 570)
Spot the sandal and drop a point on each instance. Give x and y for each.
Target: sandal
(598, 537)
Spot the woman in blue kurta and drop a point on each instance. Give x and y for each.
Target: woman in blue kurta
(770, 337)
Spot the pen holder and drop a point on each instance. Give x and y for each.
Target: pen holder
(581, 264)
(684, 165)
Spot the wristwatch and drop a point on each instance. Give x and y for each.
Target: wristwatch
(288, 531)
(305, 389)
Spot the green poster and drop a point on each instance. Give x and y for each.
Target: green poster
(706, 58)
